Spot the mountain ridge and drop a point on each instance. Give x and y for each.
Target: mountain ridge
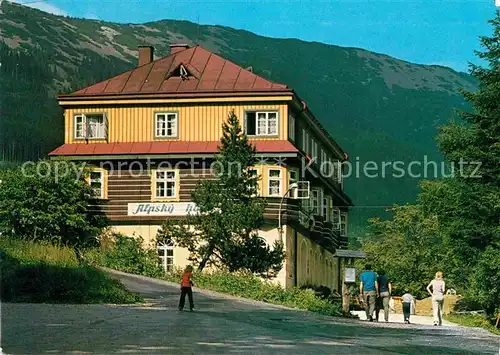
(376, 107)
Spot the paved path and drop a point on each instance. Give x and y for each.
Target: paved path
(398, 318)
(221, 325)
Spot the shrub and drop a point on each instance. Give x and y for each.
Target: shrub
(246, 285)
(474, 320)
(40, 272)
(126, 254)
(320, 291)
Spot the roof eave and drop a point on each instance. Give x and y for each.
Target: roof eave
(156, 95)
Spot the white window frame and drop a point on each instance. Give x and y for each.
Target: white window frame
(335, 217)
(306, 205)
(305, 141)
(314, 149)
(291, 127)
(267, 123)
(278, 179)
(329, 206)
(172, 119)
(165, 181)
(99, 180)
(323, 157)
(316, 202)
(292, 180)
(167, 261)
(337, 171)
(343, 224)
(85, 126)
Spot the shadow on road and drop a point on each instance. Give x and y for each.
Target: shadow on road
(218, 326)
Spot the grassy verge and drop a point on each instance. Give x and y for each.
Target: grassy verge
(251, 287)
(470, 320)
(129, 255)
(43, 273)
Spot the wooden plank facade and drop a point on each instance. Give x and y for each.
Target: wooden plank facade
(113, 126)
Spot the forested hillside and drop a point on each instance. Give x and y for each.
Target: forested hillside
(378, 108)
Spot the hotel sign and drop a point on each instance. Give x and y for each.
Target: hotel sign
(162, 209)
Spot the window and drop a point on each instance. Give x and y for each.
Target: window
(306, 205)
(274, 182)
(305, 141)
(291, 127)
(315, 201)
(91, 126)
(325, 164)
(336, 173)
(328, 209)
(96, 182)
(309, 264)
(165, 184)
(335, 217)
(262, 123)
(314, 149)
(166, 125)
(166, 255)
(343, 224)
(293, 177)
(325, 208)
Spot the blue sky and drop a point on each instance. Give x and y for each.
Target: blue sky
(441, 32)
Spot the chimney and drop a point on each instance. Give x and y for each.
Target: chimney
(145, 55)
(175, 48)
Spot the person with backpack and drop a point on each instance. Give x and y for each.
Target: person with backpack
(368, 290)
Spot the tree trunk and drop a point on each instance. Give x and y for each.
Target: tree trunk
(204, 262)
(78, 255)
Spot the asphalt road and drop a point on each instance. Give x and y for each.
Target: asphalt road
(220, 325)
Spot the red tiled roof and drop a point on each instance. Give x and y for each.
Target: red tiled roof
(174, 147)
(209, 73)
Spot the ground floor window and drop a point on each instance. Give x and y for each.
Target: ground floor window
(166, 255)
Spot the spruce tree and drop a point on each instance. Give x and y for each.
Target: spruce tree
(225, 230)
(468, 204)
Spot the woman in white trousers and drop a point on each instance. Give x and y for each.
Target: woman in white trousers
(437, 294)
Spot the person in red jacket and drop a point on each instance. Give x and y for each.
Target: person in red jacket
(186, 289)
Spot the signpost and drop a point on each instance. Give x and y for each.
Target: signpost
(349, 275)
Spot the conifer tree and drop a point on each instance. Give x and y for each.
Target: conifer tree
(224, 231)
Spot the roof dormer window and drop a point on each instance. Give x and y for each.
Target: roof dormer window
(180, 72)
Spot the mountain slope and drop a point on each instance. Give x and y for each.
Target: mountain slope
(378, 108)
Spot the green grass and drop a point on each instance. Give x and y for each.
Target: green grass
(43, 273)
(471, 320)
(128, 254)
(251, 287)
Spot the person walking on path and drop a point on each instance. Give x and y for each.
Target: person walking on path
(437, 294)
(385, 290)
(368, 290)
(186, 289)
(408, 302)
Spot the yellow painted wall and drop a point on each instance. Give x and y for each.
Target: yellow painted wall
(315, 265)
(196, 122)
(148, 233)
